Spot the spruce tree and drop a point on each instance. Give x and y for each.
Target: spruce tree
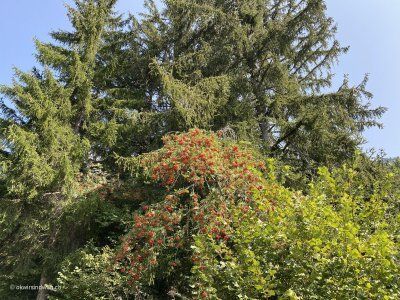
(265, 69)
(47, 139)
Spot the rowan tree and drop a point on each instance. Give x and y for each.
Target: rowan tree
(204, 179)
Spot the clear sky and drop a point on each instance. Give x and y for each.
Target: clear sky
(372, 30)
(370, 27)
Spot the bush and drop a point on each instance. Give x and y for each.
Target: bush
(221, 226)
(89, 274)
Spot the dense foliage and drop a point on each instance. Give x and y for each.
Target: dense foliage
(194, 153)
(222, 228)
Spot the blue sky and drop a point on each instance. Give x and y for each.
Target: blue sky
(370, 27)
(372, 30)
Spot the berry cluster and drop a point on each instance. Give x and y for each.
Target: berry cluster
(204, 177)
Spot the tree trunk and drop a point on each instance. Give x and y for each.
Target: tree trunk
(42, 292)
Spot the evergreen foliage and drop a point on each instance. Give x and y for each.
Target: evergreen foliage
(276, 57)
(92, 200)
(45, 144)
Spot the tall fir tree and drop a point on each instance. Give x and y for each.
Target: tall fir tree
(47, 139)
(260, 67)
